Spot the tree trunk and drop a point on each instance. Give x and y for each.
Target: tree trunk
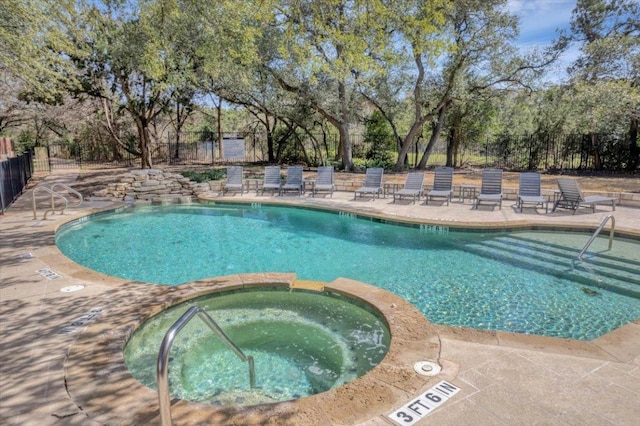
(597, 161)
(267, 126)
(634, 149)
(144, 143)
(453, 141)
(435, 134)
(343, 128)
(407, 144)
(345, 143)
(219, 119)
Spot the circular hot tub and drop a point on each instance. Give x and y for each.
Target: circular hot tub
(302, 343)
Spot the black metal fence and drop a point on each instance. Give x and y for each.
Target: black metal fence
(531, 152)
(15, 173)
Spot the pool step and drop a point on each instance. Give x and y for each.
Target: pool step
(611, 274)
(600, 266)
(606, 264)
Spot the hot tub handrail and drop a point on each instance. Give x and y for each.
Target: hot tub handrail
(163, 357)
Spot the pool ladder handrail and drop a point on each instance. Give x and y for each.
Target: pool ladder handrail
(53, 194)
(163, 357)
(70, 190)
(52, 191)
(595, 234)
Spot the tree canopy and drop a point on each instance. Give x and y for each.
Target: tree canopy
(433, 70)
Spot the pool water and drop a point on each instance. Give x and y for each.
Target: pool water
(525, 282)
(302, 343)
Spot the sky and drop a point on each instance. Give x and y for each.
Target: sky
(539, 20)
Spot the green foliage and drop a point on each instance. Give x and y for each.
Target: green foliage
(26, 140)
(379, 135)
(386, 161)
(35, 48)
(205, 176)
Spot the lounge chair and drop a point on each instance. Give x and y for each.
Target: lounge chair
(372, 183)
(491, 187)
(571, 197)
(442, 184)
(412, 187)
(294, 180)
(324, 181)
(271, 181)
(235, 181)
(529, 191)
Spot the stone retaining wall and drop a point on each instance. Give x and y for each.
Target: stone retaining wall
(153, 185)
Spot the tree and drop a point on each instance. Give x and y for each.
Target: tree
(608, 33)
(461, 53)
(32, 37)
(324, 46)
(13, 111)
(483, 62)
(145, 58)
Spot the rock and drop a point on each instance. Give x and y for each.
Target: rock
(154, 185)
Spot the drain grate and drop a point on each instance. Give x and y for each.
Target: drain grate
(48, 273)
(81, 322)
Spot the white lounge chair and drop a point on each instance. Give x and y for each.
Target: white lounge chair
(324, 181)
(235, 180)
(372, 183)
(294, 180)
(491, 187)
(442, 184)
(271, 181)
(412, 187)
(571, 197)
(530, 192)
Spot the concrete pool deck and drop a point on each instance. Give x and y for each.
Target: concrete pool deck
(504, 378)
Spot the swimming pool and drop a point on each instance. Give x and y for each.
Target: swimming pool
(525, 282)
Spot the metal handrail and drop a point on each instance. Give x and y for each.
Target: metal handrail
(163, 358)
(595, 234)
(69, 189)
(53, 206)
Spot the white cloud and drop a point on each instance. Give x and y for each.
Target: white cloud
(539, 19)
(539, 22)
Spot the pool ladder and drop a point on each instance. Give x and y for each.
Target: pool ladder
(595, 234)
(54, 195)
(163, 357)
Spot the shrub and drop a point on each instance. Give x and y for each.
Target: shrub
(205, 176)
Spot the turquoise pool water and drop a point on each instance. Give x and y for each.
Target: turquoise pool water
(303, 343)
(525, 282)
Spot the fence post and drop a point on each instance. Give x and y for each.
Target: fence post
(486, 153)
(49, 158)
